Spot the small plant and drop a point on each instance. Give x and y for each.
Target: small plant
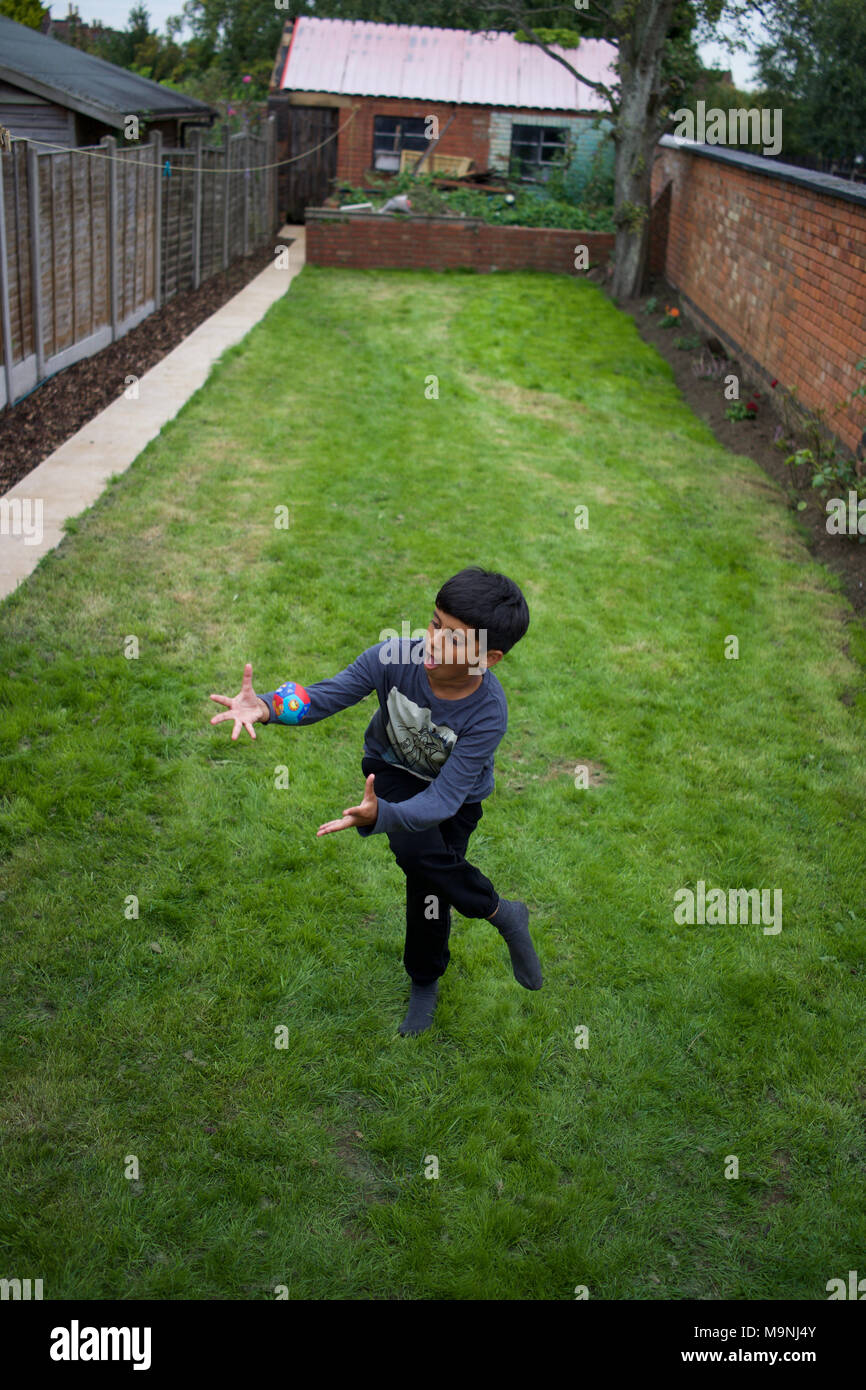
(598, 191)
(670, 318)
(687, 343)
(737, 410)
(819, 442)
(651, 305)
(708, 365)
(829, 469)
(832, 474)
(752, 404)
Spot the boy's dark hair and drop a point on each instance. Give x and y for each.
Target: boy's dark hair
(484, 599)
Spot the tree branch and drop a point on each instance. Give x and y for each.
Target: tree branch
(587, 81)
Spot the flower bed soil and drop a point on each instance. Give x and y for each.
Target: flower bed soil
(753, 438)
(34, 427)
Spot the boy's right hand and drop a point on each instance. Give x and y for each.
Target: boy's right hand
(245, 709)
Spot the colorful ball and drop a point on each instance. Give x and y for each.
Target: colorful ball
(291, 703)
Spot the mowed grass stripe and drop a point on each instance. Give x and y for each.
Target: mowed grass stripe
(305, 1166)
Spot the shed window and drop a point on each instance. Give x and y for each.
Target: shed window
(391, 134)
(534, 148)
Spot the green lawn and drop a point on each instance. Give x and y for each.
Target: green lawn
(559, 1166)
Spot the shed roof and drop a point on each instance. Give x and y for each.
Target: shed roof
(82, 82)
(355, 58)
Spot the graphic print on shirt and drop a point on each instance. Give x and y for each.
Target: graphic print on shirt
(420, 745)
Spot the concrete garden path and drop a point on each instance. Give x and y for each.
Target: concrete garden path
(32, 512)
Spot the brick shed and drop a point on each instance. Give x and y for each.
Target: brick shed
(506, 105)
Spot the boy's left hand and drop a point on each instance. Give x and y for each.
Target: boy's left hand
(365, 814)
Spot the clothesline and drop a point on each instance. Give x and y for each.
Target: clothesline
(185, 168)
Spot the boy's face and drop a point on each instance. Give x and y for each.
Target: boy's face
(455, 652)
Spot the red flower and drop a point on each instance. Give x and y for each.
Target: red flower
(751, 406)
(774, 383)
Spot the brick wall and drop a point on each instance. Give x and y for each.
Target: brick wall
(469, 133)
(442, 243)
(771, 259)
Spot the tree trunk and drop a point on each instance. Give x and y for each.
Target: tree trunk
(636, 135)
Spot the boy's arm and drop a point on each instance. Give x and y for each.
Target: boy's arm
(448, 791)
(292, 703)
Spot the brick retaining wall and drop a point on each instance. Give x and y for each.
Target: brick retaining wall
(444, 243)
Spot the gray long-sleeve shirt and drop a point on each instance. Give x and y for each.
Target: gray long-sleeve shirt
(447, 744)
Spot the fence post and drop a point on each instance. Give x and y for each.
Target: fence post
(227, 140)
(247, 177)
(156, 143)
(196, 209)
(35, 257)
(110, 144)
(4, 291)
(271, 184)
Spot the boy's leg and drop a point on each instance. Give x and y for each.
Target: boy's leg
(428, 913)
(434, 862)
(428, 927)
(435, 869)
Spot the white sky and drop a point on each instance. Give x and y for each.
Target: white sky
(116, 12)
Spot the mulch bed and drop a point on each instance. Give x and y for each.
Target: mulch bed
(60, 406)
(753, 438)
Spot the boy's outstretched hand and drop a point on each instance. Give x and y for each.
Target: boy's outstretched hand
(365, 814)
(246, 707)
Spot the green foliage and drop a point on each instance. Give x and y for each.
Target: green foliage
(831, 468)
(813, 66)
(138, 48)
(559, 38)
(631, 215)
(570, 179)
(687, 342)
(237, 37)
(528, 209)
(29, 12)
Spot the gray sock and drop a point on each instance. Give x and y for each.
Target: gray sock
(512, 923)
(422, 1002)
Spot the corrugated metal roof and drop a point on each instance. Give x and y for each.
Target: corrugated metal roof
(83, 82)
(354, 58)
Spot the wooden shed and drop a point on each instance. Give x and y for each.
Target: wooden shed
(58, 95)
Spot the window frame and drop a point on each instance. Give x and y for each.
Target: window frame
(401, 138)
(541, 141)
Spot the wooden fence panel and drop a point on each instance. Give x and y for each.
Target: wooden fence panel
(136, 209)
(96, 220)
(213, 192)
(17, 249)
(177, 222)
(72, 199)
(54, 241)
(84, 285)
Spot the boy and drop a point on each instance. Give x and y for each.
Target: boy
(428, 763)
